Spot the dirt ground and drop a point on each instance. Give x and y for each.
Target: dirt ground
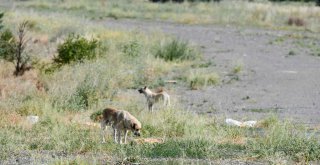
(279, 73)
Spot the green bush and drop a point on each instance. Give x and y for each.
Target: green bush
(77, 49)
(132, 49)
(176, 51)
(84, 96)
(7, 45)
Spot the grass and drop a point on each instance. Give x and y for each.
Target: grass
(187, 136)
(198, 80)
(65, 97)
(243, 13)
(176, 50)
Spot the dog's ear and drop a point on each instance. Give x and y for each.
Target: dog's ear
(133, 125)
(145, 87)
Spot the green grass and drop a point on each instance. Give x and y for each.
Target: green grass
(176, 50)
(200, 79)
(197, 138)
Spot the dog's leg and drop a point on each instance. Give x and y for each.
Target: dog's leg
(150, 107)
(125, 136)
(119, 137)
(103, 127)
(168, 100)
(114, 133)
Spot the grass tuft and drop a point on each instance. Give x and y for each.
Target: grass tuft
(176, 50)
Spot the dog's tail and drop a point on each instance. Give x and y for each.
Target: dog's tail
(160, 89)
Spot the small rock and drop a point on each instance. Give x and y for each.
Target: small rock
(33, 119)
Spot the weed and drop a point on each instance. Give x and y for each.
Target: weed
(176, 51)
(85, 95)
(199, 80)
(132, 49)
(237, 67)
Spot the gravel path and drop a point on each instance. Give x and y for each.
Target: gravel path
(272, 80)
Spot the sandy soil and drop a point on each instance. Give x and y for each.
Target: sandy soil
(271, 81)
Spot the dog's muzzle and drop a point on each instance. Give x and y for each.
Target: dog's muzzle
(140, 90)
(137, 133)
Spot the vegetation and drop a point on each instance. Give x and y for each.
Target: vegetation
(228, 12)
(77, 49)
(14, 50)
(199, 80)
(103, 71)
(1, 17)
(176, 51)
(7, 45)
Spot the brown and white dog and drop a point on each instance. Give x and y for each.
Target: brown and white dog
(121, 122)
(153, 97)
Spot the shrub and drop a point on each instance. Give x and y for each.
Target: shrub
(77, 49)
(13, 50)
(7, 45)
(132, 49)
(176, 51)
(83, 96)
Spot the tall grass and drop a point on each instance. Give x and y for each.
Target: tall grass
(176, 50)
(244, 13)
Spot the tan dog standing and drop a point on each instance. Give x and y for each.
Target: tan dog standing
(153, 97)
(121, 121)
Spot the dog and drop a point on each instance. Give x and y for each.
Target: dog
(153, 97)
(121, 122)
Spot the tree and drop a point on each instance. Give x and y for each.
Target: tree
(21, 58)
(13, 50)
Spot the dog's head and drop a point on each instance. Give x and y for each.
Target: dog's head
(142, 90)
(136, 127)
